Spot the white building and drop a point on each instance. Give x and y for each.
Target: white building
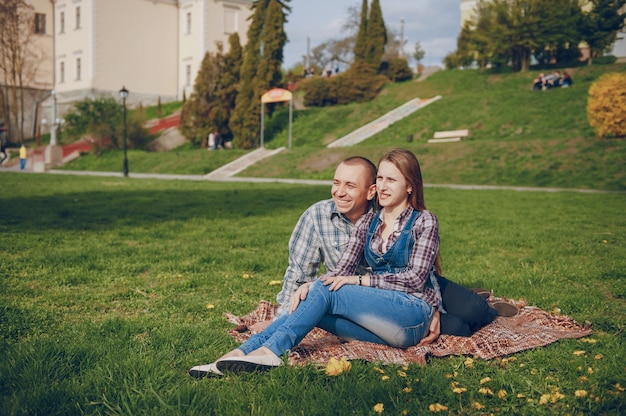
(152, 47)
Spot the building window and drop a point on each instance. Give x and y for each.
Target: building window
(188, 75)
(231, 22)
(188, 23)
(78, 69)
(77, 18)
(40, 23)
(62, 22)
(61, 72)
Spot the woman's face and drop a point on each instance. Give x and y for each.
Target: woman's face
(391, 186)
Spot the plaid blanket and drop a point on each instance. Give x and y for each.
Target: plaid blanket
(531, 328)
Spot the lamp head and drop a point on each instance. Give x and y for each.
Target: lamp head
(123, 92)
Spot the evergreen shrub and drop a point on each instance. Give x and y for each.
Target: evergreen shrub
(606, 106)
(360, 83)
(396, 69)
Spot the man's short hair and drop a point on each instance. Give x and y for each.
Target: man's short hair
(366, 163)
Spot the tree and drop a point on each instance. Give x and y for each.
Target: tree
(599, 26)
(246, 118)
(198, 112)
(512, 31)
(19, 62)
(376, 35)
(102, 119)
(274, 39)
(418, 53)
(226, 95)
(361, 43)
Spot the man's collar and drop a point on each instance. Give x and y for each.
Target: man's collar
(333, 212)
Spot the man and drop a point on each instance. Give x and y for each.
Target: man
(323, 231)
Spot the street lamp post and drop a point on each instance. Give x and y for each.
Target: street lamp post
(53, 129)
(124, 94)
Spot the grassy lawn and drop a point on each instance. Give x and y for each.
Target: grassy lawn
(518, 136)
(111, 289)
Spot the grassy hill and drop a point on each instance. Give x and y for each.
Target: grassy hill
(518, 136)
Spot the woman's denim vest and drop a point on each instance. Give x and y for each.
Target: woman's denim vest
(396, 259)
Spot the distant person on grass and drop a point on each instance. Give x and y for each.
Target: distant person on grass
(321, 235)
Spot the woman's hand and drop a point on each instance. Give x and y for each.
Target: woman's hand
(337, 281)
(435, 330)
(298, 296)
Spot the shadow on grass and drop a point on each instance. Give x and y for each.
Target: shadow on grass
(102, 210)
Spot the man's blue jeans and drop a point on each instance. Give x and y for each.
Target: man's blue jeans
(353, 312)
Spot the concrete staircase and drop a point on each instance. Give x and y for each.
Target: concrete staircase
(242, 163)
(381, 123)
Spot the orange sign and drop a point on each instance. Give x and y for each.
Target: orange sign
(276, 95)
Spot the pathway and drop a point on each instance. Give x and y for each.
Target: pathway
(242, 163)
(381, 123)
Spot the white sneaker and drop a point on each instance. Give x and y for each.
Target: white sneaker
(207, 370)
(249, 363)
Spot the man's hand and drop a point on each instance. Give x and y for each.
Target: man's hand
(298, 296)
(259, 326)
(435, 330)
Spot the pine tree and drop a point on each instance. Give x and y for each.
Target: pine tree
(226, 95)
(376, 35)
(246, 118)
(197, 118)
(245, 121)
(360, 45)
(274, 39)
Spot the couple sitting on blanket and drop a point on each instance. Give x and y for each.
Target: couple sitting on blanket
(383, 282)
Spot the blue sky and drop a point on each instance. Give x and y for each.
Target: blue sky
(434, 23)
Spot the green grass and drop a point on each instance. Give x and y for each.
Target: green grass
(518, 137)
(105, 282)
(167, 109)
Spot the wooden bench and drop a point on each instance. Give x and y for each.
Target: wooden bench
(449, 136)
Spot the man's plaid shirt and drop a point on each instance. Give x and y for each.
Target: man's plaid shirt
(320, 236)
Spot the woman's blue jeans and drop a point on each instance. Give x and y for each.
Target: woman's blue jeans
(353, 312)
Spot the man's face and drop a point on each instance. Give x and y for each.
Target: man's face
(352, 190)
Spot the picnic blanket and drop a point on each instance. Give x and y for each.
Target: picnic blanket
(531, 328)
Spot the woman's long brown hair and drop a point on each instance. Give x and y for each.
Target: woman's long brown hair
(409, 166)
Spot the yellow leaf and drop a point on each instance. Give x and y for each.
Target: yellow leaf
(276, 282)
(579, 353)
(478, 406)
(379, 407)
(580, 393)
(485, 390)
(437, 407)
(334, 367)
(210, 306)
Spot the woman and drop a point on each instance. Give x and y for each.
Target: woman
(393, 305)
